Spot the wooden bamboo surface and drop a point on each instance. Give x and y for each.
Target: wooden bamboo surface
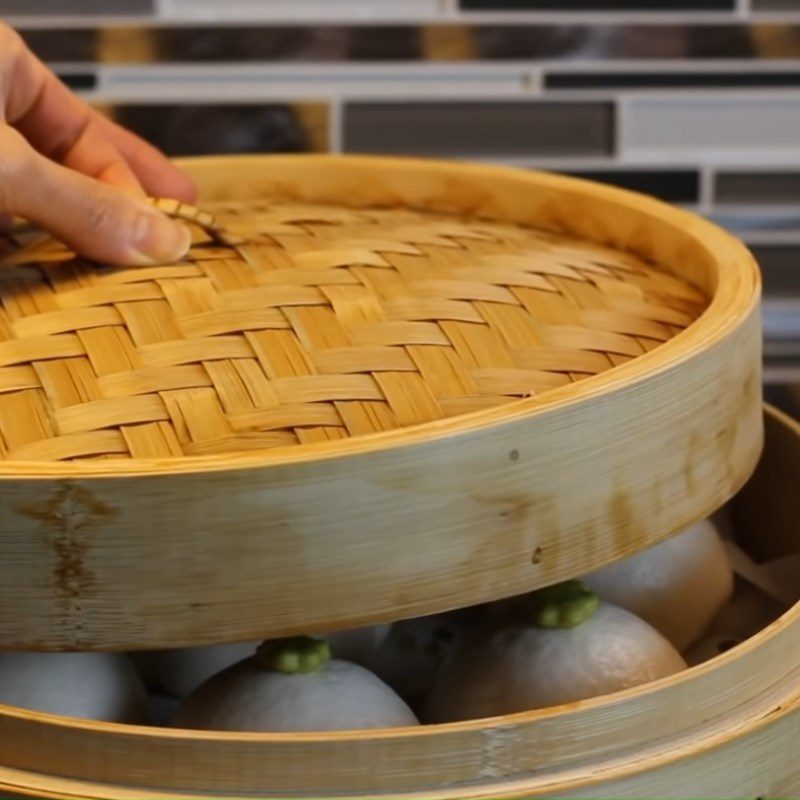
(725, 729)
(360, 510)
(289, 324)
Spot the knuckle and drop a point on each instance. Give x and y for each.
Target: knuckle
(9, 38)
(12, 46)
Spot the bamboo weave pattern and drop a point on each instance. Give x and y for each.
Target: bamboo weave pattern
(292, 324)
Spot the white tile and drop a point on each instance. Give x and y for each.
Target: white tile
(717, 129)
(237, 82)
(306, 10)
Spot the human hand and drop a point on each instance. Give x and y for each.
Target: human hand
(78, 175)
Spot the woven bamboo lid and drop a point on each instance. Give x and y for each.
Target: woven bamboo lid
(374, 389)
(294, 323)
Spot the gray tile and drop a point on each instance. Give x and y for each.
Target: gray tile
(107, 8)
(196, 129)
(54, 45)
(755, 223)
(776, 5)
(675, 186)
(476, 129)
(700, 79)
(780, 268)
(413, 43)
(752, 188)
(268, 43)
(713, 127)
(597, 5)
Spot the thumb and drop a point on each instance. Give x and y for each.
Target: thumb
(93, 218)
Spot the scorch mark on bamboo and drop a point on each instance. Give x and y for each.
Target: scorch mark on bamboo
(63, 517)
(628, 529)
(692, 453)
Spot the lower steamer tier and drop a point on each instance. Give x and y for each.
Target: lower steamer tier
(724, 729)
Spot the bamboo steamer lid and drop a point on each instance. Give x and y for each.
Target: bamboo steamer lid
(312, 323)
(406, 385)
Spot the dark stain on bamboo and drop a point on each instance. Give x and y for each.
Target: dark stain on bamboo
(65, 518)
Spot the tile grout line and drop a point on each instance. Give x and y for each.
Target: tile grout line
(706, 193)
(336, 125)
(619, 129)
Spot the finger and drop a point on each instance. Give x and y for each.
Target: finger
(157, 174)
(64, 128)
(91, 217)
(94, 155)
(60, 125)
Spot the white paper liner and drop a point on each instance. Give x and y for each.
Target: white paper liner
(779, 577)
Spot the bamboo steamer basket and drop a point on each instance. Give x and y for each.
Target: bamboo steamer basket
(724, 729)
(374, 389)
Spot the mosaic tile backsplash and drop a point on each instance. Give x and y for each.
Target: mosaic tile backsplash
(695, 101)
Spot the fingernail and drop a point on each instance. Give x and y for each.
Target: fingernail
(159, 240)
